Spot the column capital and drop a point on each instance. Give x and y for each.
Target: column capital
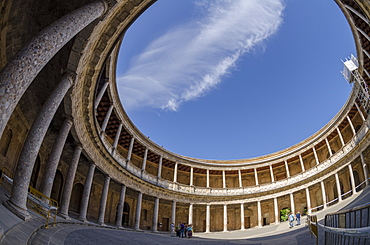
(78, 145)
(70, 75)
(68, 118)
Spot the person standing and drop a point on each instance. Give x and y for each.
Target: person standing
(172, 229)
(298, 218)
(291, 220)
(182, 230)
(190, 231)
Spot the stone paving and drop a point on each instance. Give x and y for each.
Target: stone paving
(74, 232)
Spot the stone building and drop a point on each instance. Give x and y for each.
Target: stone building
(64, 132)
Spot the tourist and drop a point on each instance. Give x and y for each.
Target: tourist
(182, 230)
(291, 220)
(172, 229)
(298, 218)
(178, 230)
(190, 231)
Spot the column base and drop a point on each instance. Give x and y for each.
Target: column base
(83, 219)
(20, 212)
(102, 224)
(64, 216)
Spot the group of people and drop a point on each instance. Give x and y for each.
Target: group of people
(182, 230)
(291, 219)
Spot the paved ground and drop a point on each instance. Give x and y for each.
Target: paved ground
(74, 232)
(79, 235)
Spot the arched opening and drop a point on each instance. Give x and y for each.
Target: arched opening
(319, 200)
(35, 172)
(56, 192)
(76, 196)
(356, 176)
(126, 215)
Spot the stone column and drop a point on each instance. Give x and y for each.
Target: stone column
(328, 145)
(207, 178)
(340, 137)
(116, 138)
(100, 94)
(68, 186)
(308, 200)
(364, 167)
(129, 153)
(242, 224)
(301, 161)
(103, 201)
(86, 193)
(360, 112)
(292, 206)
(287, 169)
(323, 193)
(272, 174)
(351, 124)
(191, 207)
(352, 179)
(208, 218)
(225, 217)
(31, 147)
(155, 214)
(138, 211)
(173, 215)
(22, 69)
(256, 176)
(160, 167)
(143, 167)
(240, 179)
(338, 187)
(106, 119)
(175, 173)
(276, 211)
(121, 205)
(56, 152)
(191, 176)
(315, 154)
(259, 214)
(223, 179)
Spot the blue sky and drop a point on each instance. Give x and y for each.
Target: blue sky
(233, 79)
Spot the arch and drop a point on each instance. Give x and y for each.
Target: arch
(357, 128)
(76, 197)
(56, 191)
(35, 172)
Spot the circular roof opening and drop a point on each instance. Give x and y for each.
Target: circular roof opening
(231, 80)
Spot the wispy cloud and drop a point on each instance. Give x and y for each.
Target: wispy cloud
(190, 60)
